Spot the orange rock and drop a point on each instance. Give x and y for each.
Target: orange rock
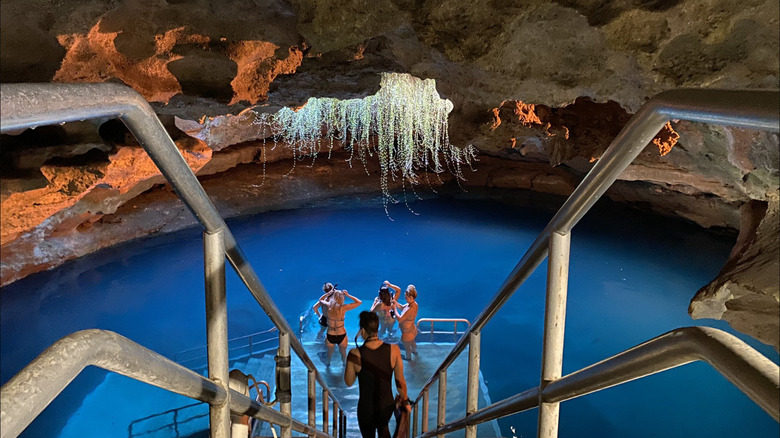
(94, 58)
(666, 139)
(258, 67)
(129, 173)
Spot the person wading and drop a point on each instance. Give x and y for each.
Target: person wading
(322, 317)
(406, 321)
(337, 334)
(384, 307)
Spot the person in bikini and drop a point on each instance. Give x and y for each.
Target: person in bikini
(384, 307)
(337, 334)
(322, 318)
(406, 316)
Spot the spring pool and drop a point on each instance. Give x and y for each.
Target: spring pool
(632, 277)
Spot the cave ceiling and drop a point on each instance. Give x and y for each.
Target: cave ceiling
(538, 88)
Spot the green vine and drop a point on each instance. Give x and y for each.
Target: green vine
(407, 119)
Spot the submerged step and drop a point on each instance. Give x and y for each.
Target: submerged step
(153, 412)
(416, 372)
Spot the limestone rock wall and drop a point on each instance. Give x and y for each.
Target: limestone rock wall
(748, 282)
(540, 88)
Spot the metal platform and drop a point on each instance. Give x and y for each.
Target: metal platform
(416, 372)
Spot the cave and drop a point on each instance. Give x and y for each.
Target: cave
(282, 105)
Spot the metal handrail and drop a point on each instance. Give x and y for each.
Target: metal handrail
(259, 398)
(454, 321)
(747, 369)
(256, 386)
(24, 397)
(747, 109)
(30, 105)
(177, 357)
(752, 109)
(251, 335)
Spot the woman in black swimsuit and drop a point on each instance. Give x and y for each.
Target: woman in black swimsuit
(322, 317)
(373, 364)
(337, 334)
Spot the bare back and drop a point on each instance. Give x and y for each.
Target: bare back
(336, 320)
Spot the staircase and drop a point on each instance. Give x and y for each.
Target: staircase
(416, 373)
(26, 395)
(151, 412)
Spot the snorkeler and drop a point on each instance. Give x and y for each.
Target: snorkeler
(406, 321)
(384, 307)
(337, 334)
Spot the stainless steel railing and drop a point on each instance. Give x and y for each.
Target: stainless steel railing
(24, 397)
(30, 105)
(747, 109)
(426, 329)
(433, 321)
(252, 343)
(746, 368)
(33, 104)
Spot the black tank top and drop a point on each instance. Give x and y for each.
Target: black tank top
(375, 382)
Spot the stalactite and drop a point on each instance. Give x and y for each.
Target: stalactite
(407, 118)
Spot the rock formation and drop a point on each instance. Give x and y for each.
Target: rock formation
(538, 88)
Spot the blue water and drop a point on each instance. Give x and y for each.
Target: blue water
(632, 277)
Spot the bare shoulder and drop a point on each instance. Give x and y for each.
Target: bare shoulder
(395, 351)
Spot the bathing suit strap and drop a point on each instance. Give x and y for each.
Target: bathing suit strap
(338, 323)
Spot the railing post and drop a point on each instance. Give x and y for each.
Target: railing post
(312, 390)
(425, 411)
(216, 328)
(472, 387)
(414, 419)
(442, 408)
(283, 383)
(554, 325)
(335, 417)
(325, 402)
